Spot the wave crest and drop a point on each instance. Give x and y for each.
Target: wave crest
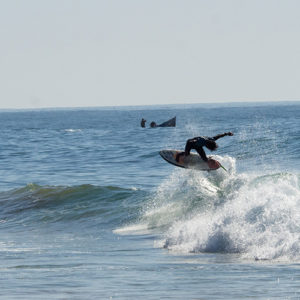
(254, 215)
(34, 203)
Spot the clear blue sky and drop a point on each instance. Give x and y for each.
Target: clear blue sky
(66, 53)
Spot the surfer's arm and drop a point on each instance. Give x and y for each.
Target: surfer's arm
(222, 135)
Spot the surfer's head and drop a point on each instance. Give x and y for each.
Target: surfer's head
(211, 145)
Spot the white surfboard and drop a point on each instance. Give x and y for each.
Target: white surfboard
(192, 161)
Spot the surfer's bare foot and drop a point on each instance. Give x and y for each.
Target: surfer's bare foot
(178, 156)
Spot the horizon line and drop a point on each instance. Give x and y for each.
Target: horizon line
(106, 107)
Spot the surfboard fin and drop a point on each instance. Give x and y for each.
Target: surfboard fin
(223, 168)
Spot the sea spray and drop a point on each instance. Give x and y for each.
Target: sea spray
(254, 215)
(182, 194)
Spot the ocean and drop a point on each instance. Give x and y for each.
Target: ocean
(89, 210)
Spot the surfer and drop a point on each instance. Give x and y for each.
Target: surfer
(143, 122)
(199, 142)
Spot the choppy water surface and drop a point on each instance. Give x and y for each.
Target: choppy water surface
(90, 210)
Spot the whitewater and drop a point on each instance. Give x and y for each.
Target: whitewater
(256, 216)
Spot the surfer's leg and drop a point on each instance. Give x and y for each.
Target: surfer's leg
(178, 156)
(202, 153)
(187, 150)
(190, 144)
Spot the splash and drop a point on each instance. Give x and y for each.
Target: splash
(254, 215)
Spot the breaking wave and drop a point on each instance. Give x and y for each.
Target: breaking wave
(254, 215)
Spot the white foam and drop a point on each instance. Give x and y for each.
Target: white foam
(133, 229)
(260, 220)
(254, 215)
(73, 130)
(176, 196)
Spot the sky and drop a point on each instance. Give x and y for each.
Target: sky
(85, 53)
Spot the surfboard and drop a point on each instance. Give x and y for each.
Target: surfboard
(192, 161)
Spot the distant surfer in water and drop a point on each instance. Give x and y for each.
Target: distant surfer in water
(199, 142)
(143, 122)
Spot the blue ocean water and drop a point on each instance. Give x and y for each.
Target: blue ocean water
(89, 210)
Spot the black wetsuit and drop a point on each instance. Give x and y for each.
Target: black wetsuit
(198, 143)
(143, 122)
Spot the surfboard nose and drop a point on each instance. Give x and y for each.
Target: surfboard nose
(161, 153)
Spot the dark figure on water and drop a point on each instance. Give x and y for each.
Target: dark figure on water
(199, 142)
(143, 122)
(153, 124)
